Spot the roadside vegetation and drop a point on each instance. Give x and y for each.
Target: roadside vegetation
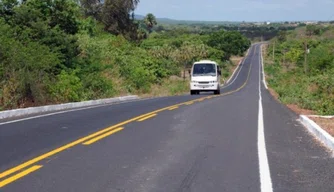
(300, 67)
(56, 51)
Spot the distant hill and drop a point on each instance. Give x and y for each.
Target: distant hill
(174, 21)
(139, 17)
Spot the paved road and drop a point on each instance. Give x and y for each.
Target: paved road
(242, 140)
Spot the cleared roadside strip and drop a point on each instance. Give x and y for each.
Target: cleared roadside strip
(97, 135)
(318, 132)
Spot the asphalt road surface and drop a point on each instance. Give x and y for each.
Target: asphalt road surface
(242, 140)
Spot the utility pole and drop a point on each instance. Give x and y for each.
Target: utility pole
(305, 57)
(274, 51)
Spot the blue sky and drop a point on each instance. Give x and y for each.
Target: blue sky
(239, 10)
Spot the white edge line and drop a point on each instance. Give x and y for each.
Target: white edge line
(318, 132)
(240, 63)
(265, 178)
(240, 68)
(236, 69)
(263, 75)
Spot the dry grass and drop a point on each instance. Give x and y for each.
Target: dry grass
(235, 61)
(170, 87)
(326, 123)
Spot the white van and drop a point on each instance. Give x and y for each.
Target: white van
(205, 76)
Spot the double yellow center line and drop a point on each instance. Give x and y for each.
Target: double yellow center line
(147, 117)
(103, 136)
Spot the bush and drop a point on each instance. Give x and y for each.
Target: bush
(25, 69)
(96, 86)
(68, 87)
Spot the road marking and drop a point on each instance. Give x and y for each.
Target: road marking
(81, 140)
(172, 108)
(60, 149)
(243, 60)
(237, 69)
(242, 64)
(263, 76)
(67, 146)
(147, 117)
(19, 175)
(265, 179)
(103, 136)
(189, 103)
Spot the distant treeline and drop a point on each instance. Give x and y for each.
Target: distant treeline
(252, 32)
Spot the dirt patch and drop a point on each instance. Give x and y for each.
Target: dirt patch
(300, 110)
(326, 123)
(273, 93)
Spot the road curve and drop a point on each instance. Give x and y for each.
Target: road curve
(242, 140)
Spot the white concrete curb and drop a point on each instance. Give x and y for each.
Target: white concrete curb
(315, 129)
(52, 108)
(327, 117)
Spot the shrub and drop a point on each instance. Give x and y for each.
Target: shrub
(68, 87)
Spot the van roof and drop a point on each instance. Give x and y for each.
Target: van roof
(205, 61)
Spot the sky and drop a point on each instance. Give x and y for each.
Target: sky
(239, 10)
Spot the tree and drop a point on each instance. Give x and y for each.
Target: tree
(312, 30)
(188, 53)
(282, 36)
(141, 34)
(50, 23)
(6, 8)
(150, 21)
(92, 8)
(116, 15)
(230, 42)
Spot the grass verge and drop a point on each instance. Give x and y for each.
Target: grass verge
(290, 95)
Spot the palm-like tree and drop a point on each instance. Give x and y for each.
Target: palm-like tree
(150, 21)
